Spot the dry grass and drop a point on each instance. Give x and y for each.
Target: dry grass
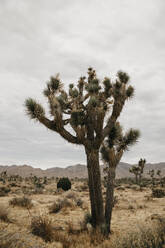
(4, 191)
(24, 202)
(132, 207)
(4, 213)
(60, 204)
(42, 226)
(143, 237)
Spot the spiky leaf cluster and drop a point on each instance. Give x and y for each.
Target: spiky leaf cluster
(34, 109)
(104, 153)
(118, 142)
(129, 139)
(78, 118)
(107, 87)
(53, 86)
(85, 105)
(93, 86)
(123, 77)
(121, 89)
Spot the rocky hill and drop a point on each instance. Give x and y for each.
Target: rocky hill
(78, 170)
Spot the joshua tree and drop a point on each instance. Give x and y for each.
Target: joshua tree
(152, 175)
(159, 174)
(141, 165)
(135, 171)
(138, 170)
(112, 150)
(84, 109)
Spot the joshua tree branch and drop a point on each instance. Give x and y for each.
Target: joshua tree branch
(62, 131)
(117, 108)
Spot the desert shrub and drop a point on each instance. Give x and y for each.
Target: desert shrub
(86, 220)
(15, 239)
(42, 226)
(59, 204)
(14, 185)
(4, 213)
(131, 207)
(71, 229)
(38, 191)
(79, 202)
(71, 195)
(67, 203)
(143, 237)
(4, 190)
(64, 183)
(21, 202)
(158, 193)
(55, 207)
(83, 187)
(120, 188)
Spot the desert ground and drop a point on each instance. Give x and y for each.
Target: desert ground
(135, 212)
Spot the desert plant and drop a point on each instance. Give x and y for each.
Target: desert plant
(4, 191)
(24, 202)
(112, 150)
(59, 204)
(161, 179)
(87, 106)
(143, 237)
(152, 175)
(158, 193)
(64, 183)
(42, 226)
(4, 213)
(55, 207)
(138, 170)
(79, 202)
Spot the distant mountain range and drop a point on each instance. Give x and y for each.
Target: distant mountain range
(78, 170)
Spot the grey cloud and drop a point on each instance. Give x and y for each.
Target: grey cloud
(42, 38)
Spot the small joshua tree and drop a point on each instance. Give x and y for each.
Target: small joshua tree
(112, 150)
(141, 165)
(159, 174)
(138, 170)
(86, 106)
(135, 171)
(152, 175)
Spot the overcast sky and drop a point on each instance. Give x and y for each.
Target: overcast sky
(41, 38)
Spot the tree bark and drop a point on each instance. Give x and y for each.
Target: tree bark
(109, 198)
(95, 190)
(136, 178)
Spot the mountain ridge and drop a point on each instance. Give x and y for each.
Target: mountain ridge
(78, 170)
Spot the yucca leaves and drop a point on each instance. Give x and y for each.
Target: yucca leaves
(114, 135)
(129, 139)
(118, 142)
(73, 92)
(53, 86)
(33, 109)
(55, 83)
(123, 77)
(78, 118)
(104, 154)
(130, 91)
(93, 101)
(107, 83)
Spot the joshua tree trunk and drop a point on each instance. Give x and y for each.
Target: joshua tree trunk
(136, 179)
(95, 191)
(109, 197)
